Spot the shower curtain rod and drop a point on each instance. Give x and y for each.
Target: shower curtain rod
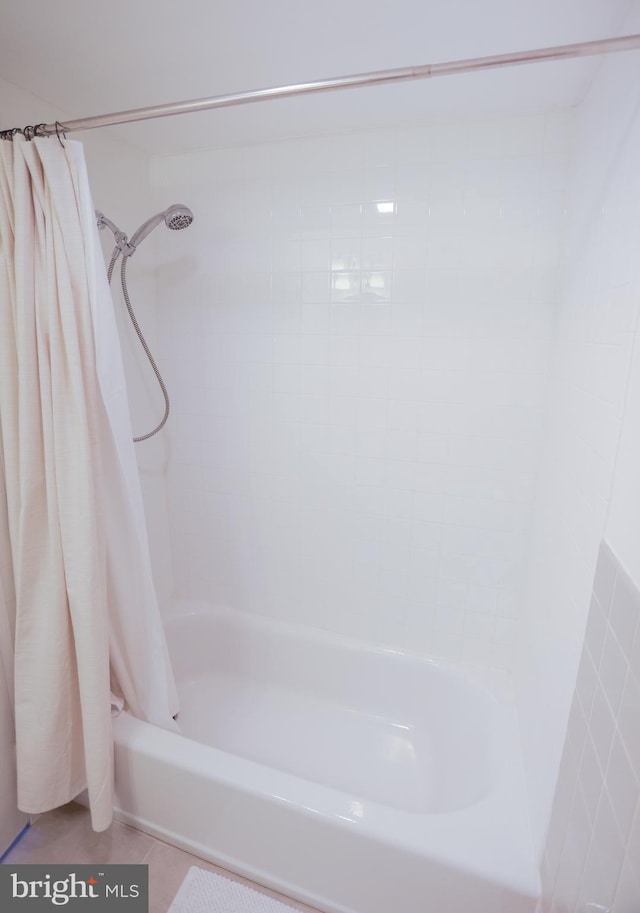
(378, 77)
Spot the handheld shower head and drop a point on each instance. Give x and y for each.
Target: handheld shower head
(175, 217)
(178, 216)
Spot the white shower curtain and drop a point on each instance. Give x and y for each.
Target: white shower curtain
(76, 576)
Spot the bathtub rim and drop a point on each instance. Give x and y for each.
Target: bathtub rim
(441, 844)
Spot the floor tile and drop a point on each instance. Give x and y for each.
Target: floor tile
(65, 836)
(168, 867)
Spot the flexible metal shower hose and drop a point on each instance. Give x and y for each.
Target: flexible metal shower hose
(143, 342)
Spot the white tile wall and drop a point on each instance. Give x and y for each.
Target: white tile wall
(592, 852)
(356, 338)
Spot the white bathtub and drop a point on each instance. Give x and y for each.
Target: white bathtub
(358, 780)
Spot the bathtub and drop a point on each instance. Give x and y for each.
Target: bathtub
(355, 779)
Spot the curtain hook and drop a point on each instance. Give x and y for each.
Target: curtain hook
(60, 129)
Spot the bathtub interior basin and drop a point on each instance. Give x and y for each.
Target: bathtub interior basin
(381, 725)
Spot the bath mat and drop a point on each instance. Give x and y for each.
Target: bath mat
(206, 892)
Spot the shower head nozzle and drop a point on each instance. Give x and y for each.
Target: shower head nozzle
(175, 217)
(178, 216)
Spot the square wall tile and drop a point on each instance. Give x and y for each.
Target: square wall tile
(602, 753)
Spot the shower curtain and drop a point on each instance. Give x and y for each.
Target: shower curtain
(76, 590)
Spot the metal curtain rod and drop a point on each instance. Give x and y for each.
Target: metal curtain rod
(379, 77)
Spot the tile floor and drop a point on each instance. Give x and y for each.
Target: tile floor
(65, 836)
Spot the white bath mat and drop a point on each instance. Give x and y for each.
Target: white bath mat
(206, 892)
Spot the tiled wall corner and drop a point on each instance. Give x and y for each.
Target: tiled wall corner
(592, 852)
(589, 379)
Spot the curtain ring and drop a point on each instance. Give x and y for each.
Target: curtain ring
(9, 134)
(59, 130)
(31, 132)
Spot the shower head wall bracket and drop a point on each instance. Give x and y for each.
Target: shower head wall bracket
(122, 242)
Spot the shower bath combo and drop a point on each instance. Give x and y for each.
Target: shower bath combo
(424, 775)
(441, 817)
(176, 217)
(249, 688)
